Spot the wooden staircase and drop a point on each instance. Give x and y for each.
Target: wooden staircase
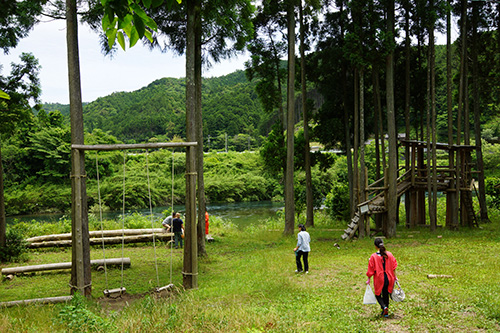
(352, 227)
(375, 205)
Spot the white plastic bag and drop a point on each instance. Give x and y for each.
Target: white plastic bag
(397, 295)
(369, 297)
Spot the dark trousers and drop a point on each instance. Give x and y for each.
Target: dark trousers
(178, 239)
(305, 255)
(383, 298)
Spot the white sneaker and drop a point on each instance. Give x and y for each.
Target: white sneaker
(297, 271)
(307, 272)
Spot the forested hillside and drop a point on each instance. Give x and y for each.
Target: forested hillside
(230, 105)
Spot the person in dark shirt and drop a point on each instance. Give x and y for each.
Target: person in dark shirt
(178, 228)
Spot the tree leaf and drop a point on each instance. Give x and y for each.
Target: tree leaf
(121, 40)
(147, 3)
(157, 3)
(148, 35)
(127, 20)
(134, 36)
(151, 24)
(128, 29)
(111, 34)
(139, 11)
(4, 95)
(105, 22)
(139, 25)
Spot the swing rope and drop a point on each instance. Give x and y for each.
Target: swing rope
(152, 222)
(123, 212)
(102, 224)
(100, 217)
(172, 207)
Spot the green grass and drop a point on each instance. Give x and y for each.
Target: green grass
(247, 284)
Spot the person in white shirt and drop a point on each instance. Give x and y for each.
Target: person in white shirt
(167, 223)
(302, 249)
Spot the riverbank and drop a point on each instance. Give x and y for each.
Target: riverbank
(247, 284)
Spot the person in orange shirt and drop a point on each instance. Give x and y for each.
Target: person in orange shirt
(206, 222)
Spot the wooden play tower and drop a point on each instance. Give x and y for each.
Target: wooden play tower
(416, 179)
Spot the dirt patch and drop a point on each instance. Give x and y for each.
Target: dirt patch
(116, 304)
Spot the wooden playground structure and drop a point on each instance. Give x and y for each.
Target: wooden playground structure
(80, 239)
(416, 179)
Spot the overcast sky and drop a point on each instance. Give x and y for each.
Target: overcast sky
(127, 71)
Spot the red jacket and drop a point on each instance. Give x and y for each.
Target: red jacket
(376, 269)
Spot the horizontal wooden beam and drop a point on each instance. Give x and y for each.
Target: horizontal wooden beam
(47, 300)
(106, 240)
(63, 265)
(98, 233)
(123, 146)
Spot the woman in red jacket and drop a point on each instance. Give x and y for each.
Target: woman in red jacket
(382, 266)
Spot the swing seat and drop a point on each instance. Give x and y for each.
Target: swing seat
(114, 292)
(167, 287)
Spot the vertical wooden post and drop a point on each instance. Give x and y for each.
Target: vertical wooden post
(80, 268)
(451, 196)
(190, 271)
(420, 218)
(190, 279)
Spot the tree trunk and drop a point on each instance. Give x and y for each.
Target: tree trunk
(80, 269)
(3, 222)
(202, 205)
(433, 215)
(391, 200)
(289, 191)
(190, 278)
(347, 132)
(307, 149)
(451, 197)
(477, 115)
(355, 159)
(463, 62)
(362, 180)
(379, 135)
(407, 105)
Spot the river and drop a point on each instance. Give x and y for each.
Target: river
(242, 214)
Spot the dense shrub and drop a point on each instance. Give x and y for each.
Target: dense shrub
(337, 201)
(15, 247)
(492, 188)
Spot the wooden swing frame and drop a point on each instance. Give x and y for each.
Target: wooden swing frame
(80, 255)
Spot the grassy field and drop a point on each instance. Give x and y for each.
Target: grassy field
(247, 284)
